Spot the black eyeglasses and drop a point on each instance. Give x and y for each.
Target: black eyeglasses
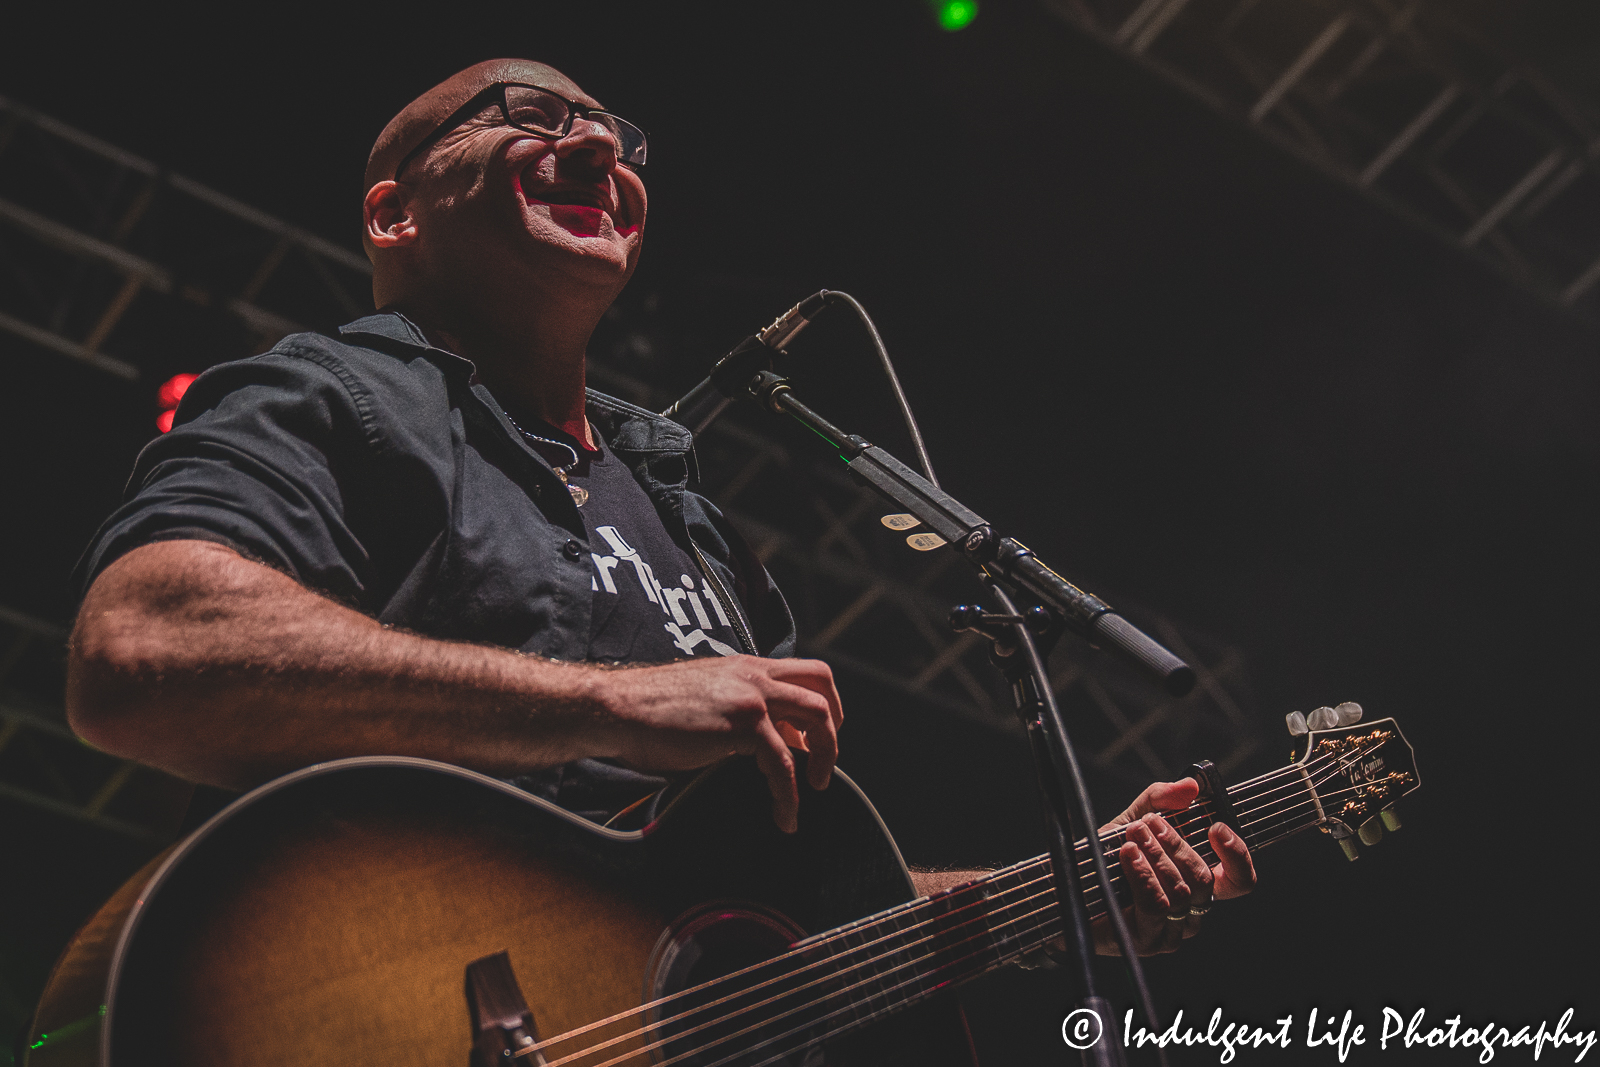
(541, 113)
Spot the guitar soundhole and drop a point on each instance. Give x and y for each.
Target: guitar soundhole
(730, 999)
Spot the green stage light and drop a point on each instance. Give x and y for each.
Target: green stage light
(955, 14)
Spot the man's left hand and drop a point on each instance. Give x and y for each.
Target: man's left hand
(1171, 885)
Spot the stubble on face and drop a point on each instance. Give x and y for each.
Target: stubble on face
(502, 208)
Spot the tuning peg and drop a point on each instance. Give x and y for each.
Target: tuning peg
(1391, 818)
(1322, 719)
(1349, 713)
(1341, 832)
(1371, 831)
(1297, 724)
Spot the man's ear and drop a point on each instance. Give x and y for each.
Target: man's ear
(387, 217)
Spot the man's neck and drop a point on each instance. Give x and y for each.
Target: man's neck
(534, 364)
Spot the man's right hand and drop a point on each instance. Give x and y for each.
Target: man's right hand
(191, 658)
(687, 714)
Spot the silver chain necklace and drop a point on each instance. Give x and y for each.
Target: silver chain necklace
(580, 495)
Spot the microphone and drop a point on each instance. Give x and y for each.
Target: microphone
(700, 406)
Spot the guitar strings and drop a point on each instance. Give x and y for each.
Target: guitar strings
(858, 966)
(809, 1005)
(999, 947)
(848, 1007)
(858, 1021)
(812, 966)
(1202, 844)
(852, 1024)
(1279, 812)
(1181, 825)
(1263, 834)
(1092, 903)
(1291, 773)
(1010, 905)
(1016, 870)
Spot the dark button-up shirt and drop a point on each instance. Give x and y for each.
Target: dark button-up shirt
(375, 468)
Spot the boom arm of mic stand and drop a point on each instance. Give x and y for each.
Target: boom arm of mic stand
(1083, 613)
(700, 406)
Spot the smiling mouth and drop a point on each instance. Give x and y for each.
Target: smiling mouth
(571, 198)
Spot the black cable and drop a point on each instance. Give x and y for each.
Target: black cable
(1065, 754)
(835, 296)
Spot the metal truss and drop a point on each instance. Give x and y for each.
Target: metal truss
(111, 260)
(97, 235)
(1402, 102)
(42, 765)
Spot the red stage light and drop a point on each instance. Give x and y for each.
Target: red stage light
(172, 390)
(168, 395)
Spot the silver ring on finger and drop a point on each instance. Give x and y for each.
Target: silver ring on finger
(1195, 910)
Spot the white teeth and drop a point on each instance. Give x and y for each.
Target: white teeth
(571, 201)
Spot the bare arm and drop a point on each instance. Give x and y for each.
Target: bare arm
(191, 658)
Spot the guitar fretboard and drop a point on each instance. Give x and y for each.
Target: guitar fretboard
(895, 958)
(842, 979)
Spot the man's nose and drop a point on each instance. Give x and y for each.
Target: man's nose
(588, 143)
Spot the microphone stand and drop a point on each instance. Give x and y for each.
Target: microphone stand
(1012, 569)
(1055, 765)
(1006, 560)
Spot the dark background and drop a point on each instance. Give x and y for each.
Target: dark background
(1166, 355)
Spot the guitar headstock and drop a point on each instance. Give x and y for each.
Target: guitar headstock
(1355, 774)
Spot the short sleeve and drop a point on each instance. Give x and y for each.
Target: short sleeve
(256, 460)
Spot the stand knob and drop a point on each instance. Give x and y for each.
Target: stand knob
(965, 617)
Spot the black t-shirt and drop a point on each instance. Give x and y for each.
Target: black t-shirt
(652, 603)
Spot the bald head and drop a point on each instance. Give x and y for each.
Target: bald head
(492, 219)
(419, 118)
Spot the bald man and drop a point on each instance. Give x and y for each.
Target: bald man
(426, 538)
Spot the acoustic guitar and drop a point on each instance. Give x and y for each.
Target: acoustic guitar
(403, 912)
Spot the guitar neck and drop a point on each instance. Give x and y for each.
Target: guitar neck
(851, 975)
(898, 957)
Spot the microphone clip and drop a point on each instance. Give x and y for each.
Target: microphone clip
(787, 327)
(730, 378)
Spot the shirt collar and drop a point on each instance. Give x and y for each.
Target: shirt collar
(626, 428)
(393, 326)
